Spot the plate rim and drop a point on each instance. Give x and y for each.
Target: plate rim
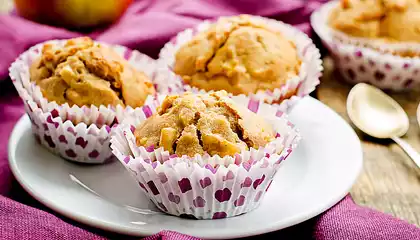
(124, 230)
(89, 221)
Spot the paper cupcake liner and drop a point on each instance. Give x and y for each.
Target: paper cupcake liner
(299, 86)
(205, 187)
(394, 48)
(78, 143)
(358, 63)
(19, 73)
(80, 134)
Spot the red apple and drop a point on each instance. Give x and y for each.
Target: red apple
(72, 13)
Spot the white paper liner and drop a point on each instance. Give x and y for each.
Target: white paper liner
(78, 143)
(358, 63)
(19, 73)
(205, 187)
(395, 48)
(309, 73)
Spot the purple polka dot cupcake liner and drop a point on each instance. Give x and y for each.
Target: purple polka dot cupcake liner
(103, 115)
(358, 60)
(79, 143)
(204, 186)
(75, 133)
(303, 84)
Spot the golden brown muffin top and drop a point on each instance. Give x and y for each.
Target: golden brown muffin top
(238, 54)
(83, 72)
(385, 20)
(192, 124)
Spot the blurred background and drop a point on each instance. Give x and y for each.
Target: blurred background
(6, 5)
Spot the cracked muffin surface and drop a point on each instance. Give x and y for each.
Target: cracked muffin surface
(238, 54)
(83, 72)
(383, 20)
(192, 124)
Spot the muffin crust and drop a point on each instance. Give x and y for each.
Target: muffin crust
(86, 73)
(194, 124)
(382, 20)
(239, 55)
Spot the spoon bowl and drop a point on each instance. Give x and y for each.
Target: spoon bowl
(380, 116)
(376, 113)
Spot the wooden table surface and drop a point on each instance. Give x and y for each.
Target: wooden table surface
(390, 181)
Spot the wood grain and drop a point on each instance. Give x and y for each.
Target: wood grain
(390, 181)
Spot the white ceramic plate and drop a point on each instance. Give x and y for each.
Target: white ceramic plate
(315, 177)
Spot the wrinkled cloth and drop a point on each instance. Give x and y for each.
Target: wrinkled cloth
(146, 26)
(345, 220)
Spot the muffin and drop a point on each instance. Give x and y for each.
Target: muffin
(211, 123)
(372, 41)
(244, 54)
(85, 73)
(204, 156)
(75, 91)
(378, 21)
(401, 22)
(239, 55)
(358, 18)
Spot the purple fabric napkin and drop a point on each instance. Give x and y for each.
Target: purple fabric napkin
(149, 24)
(146, 26)
(345, 220)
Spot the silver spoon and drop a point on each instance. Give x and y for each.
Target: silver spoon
(380, 116)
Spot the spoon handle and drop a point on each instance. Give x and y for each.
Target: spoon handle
(411, 152)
